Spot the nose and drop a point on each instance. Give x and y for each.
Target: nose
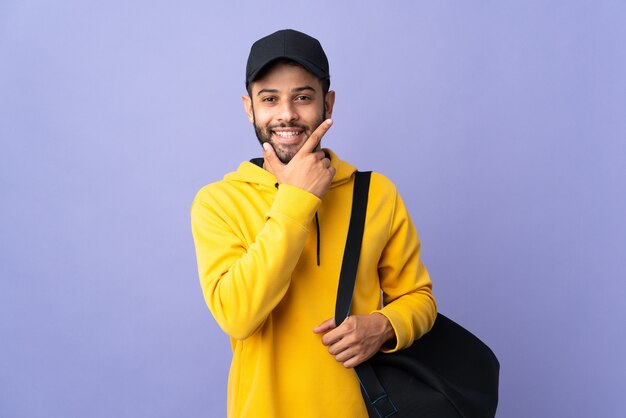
(287, 112)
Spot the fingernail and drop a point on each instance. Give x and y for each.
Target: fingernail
(266, 146)
(329, 122)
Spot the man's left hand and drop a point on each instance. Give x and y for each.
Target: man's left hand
(357, 339)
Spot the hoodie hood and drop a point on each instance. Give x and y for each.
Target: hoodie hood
(249, 172)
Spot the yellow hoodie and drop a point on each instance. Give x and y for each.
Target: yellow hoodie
(257, 251)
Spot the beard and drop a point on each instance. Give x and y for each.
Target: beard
(285, 152)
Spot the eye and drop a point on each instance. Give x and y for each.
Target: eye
(303, 98)
(268, 99)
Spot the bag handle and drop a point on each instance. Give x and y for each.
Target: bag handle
(373, 390)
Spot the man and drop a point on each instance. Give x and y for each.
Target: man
(269, 243)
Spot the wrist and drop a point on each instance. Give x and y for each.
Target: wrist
(387, 333)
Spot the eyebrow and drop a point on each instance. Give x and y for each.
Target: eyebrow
(296, 90)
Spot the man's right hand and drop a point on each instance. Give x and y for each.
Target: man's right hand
(309, 169)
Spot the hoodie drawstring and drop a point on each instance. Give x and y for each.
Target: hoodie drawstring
(317, 228)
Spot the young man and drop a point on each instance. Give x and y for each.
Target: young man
(270, 239)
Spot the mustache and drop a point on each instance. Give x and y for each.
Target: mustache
(287, 125)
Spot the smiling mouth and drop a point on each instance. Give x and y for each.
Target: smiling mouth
(287, 134)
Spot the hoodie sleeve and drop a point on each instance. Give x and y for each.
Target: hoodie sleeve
(408, 302)
(243, 283)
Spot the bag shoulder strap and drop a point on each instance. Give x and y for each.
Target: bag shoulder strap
(374, 391)
(354, 241)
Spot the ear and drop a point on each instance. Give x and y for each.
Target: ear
(247, 106)
(329, 102)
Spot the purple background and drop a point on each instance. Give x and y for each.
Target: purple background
(502, 123)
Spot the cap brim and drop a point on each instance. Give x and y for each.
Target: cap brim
(309, 66)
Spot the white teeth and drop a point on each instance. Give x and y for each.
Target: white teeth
(286, 134)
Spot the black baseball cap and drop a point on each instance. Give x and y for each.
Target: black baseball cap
(287, 43)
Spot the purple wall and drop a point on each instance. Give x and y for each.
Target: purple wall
(502, 123)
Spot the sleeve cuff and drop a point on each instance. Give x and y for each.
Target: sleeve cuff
(294, 203)
(402, 340)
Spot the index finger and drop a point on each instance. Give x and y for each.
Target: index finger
(325, 326)
(314, 139)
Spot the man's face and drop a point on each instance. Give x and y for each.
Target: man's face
(286, 105)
